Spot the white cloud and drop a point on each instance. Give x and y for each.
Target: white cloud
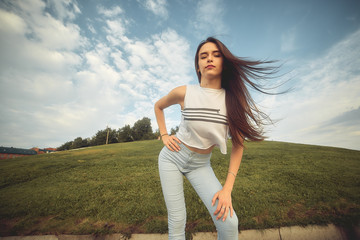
(157, 7)
(209, 17)
(32, 39)
(328, 87)
(37, 68)
(157, 64)
(55, 35)
(115, 30)
(115, 27)
(149, 69)
(351, 117)
(64, 9)
(98, 65)
(46, 30)
(11, 23)
(119, 61)
(110, 13)
(91, 29)
(58, 85)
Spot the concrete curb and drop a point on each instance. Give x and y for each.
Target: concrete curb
(329, 232)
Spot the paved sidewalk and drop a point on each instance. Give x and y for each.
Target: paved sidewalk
(329, 232)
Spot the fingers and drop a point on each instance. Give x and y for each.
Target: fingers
(171, 142)
(219, 212)
(220, 209)
(223, 208)
(214, 199)
(219, 206)
(227, 210)
(177, 140)
(223, 212)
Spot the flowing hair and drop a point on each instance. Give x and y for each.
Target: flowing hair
(245, 120)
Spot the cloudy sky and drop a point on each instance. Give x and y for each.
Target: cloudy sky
(70, 68)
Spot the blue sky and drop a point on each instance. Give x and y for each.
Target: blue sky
(70, 68)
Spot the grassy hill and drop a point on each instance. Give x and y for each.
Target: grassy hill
(116, 188)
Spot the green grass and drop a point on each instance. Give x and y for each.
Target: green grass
(116, 188)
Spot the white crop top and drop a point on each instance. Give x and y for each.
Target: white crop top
(204, 119)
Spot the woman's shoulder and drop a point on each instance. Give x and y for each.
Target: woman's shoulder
(184, 89)
(178, 93)
(180, 90)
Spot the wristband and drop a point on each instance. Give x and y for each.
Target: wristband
(232, 174)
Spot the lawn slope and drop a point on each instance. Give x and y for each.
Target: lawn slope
(116, 188)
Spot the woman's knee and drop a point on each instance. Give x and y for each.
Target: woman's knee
(232, 222)
(230, 225)
(228, 230)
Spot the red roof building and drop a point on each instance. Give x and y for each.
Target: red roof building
(10, 152)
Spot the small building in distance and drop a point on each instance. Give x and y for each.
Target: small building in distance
(44, 150)
(10, 152)
(50, 150)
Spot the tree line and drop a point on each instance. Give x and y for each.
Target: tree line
(141, 130)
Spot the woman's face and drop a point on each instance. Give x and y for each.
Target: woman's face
(210, 61)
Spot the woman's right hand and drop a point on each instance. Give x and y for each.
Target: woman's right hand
(171, 142)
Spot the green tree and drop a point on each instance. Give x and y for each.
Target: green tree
(113, 136)
(157, 134)
(79, 143)
(100, 137)
(142, 130)
(124, 134)
(65, 146)
(173, 131)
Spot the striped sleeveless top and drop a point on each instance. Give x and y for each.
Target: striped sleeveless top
(204, 119)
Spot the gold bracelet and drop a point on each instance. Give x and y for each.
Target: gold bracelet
(232, 174)
(164, 134)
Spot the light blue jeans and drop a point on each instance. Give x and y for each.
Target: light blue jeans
(197, 169)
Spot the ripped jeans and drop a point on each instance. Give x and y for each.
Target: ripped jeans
(197, 169)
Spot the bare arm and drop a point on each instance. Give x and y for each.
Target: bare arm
(235, 160)
(224, 195)
(175, 96)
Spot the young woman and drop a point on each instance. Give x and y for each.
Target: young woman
(220, 106)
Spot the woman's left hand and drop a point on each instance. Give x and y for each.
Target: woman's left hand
(224, 204)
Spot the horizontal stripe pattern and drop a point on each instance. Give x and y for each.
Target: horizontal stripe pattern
(204, 115)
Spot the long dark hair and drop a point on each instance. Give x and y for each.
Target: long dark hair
(245, 120)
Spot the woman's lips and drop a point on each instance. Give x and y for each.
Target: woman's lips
(210, 66)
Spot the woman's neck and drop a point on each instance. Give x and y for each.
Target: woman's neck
(214, 83)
